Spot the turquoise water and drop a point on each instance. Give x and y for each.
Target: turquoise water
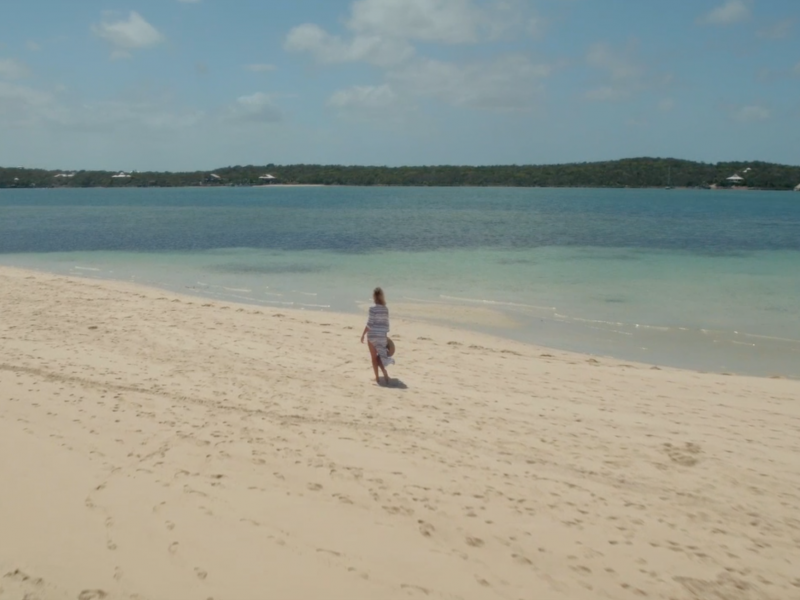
(697, 279)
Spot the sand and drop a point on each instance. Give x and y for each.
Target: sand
(155, 446)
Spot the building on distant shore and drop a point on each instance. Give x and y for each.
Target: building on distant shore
(121, 175)
(735, 180)
(267, 179)
(797, 188)
(64, 175)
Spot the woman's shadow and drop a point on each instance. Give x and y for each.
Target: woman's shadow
(395, 384)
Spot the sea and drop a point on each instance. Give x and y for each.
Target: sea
(697, 279)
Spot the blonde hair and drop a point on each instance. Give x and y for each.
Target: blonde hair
(378, 297)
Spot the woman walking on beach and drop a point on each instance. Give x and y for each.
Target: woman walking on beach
(377, 330)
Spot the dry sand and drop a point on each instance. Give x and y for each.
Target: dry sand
(158, 447)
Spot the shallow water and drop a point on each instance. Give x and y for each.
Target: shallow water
(698, 279)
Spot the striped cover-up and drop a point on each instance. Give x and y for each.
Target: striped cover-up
(378, 324)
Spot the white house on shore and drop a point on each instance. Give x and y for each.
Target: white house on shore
(797, 188)
(735, 179)
(64, 175)
(121, 175)
(267, 179)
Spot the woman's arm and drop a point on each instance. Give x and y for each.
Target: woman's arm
(369, 322)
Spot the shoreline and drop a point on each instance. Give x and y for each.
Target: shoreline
(478, 319)
(191, 442)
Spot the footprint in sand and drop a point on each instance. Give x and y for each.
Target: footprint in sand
(426, 529)
(415, 588)
(92, 595)
(686, 456)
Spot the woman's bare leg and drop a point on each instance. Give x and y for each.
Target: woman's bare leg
(373, 354)
(385, 374)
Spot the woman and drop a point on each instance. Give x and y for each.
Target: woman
(376, 331)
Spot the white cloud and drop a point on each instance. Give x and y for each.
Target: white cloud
(11, 68)
(507, 83)
(128, 34)
(732, 11)
(666, 105)
(22, 106)
(535, 27)
(122, 114)
(22, 96)
(258, 107)
(382, 32)
(328, 49)
(260, 68)
(50, 109)
(623, 75)
(32, 46)
(777, 31)
(367, 100)
(619, 66)
(749, 114)
(444, 21)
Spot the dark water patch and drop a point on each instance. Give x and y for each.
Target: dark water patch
(361, 220)
(516, 261)
(614, 256)
(244, 269)
(716, 253)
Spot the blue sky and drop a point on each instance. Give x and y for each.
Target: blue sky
(171, 84)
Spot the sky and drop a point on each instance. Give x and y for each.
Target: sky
(202, 84)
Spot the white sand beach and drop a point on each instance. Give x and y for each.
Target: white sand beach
(155, 446)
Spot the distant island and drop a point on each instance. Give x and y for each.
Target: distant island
(626, 173)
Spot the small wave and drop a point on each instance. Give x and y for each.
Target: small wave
(655, 327)
(497, 303)
(276, 303)
(314, 305)
(236, 296)
(86, 269)
(424, 301)
(242, 290)
(768, 337)
(604, 330)
(598, 321)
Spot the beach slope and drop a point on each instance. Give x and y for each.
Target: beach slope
(159, 446)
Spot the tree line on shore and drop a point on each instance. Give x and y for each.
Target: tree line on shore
(626, 173)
